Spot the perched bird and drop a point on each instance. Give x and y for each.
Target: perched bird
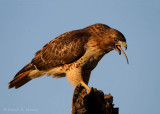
(72, 55)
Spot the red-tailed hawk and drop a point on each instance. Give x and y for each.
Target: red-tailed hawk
(73, 54)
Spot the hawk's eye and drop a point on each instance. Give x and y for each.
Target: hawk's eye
(115, 39)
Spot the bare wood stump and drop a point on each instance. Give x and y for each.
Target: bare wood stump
(96, 102)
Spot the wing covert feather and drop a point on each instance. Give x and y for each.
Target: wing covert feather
(64, 49)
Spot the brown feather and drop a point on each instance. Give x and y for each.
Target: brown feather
(20, 80)
(64, 49)
(29, 66)
(22, 76)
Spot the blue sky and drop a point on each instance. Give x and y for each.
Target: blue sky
(27, 25)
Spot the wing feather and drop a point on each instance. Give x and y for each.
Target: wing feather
(64, 49)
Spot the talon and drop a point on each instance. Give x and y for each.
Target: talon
(86, 87)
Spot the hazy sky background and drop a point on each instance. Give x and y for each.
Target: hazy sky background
(27, 25)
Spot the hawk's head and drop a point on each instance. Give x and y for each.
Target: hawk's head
(114, 40)
(108, 38)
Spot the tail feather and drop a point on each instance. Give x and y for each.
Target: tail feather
(29, 66)
(22, 76)
(20, 80)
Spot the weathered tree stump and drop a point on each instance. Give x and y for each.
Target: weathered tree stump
(96, 102)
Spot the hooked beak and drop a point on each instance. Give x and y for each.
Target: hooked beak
(119, 49)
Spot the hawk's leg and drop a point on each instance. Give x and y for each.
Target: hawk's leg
(85, 86)
(84, 83)
(76, 77)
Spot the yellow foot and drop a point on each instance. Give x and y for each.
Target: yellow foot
(86, 87)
